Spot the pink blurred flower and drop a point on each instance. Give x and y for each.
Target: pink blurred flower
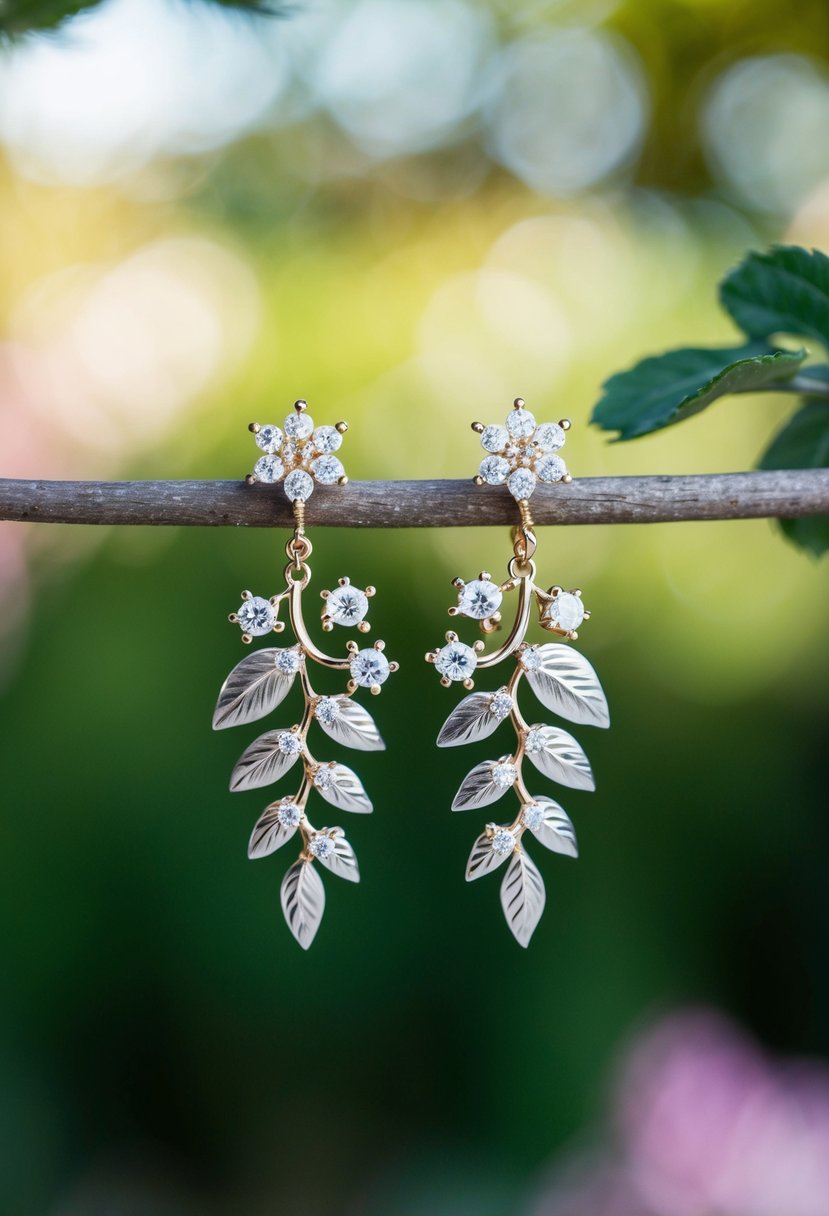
(707, 1125)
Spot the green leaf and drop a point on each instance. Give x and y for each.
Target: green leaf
(784, 291)
(18, 17)
(803, 444)
(664, 389)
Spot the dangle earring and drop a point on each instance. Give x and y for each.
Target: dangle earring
(519, 455)
(302, 455)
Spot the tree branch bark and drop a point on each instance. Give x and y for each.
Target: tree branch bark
(784, 494)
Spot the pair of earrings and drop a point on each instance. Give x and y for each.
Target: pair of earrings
(518, 456)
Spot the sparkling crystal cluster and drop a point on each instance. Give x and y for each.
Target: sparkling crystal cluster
(522, 452)
(299, 454)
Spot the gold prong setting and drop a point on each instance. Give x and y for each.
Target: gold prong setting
(561, 611)
(347, 606)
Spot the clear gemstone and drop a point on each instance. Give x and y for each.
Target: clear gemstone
(501, 705)
(532, 816)
(299, 426)
(287, 661)
(288, 814)
(520, 424)
(321, 846)
(327, 439)
(535, 739)
(369, 667)
(324, 777)
(494, 438)
(457, 661)
(269, 439)
(290, 454)
(531, 658)
(299, 485)
(346, 605)
(549, 436)
(503, 842)
(327, 710)
(479, 599)
(550, 468)
(494, 470)
(504, 774)
(268, 468)
(522, 483)
(289, 743)
(327, 470)
(566, 611)
(256, 616)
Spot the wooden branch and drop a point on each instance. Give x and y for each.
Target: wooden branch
(784, 494)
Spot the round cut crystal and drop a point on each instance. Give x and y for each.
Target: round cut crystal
(324, 777)
(369, 668)
(327, 439)
(299, 426)
(566, 611)
(290, 454)
(327, 710)
(504, 774)
(521, 483)
(268, 468)
(288, 814)
(535, 739)
(479, 599)
(287, 661)
(494, 438)
(531, 658)
(502, 841)
(456, 661)
(550, 468)
(532, 816)
(269, 439)
(321, 847)
(501, 705)
(327, 470)
(346, 605)
(549, 436)
(299, 485)
(520, 423)
(494, 470)
(256, 616)
(289, 743)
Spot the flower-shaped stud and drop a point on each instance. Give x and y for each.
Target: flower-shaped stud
(522, 452)
(299, 453)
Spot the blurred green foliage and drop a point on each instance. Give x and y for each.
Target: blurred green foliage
(19, 17)
(163, 1024)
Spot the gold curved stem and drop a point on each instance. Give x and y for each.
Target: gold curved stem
(303, 637)
(526, 587)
